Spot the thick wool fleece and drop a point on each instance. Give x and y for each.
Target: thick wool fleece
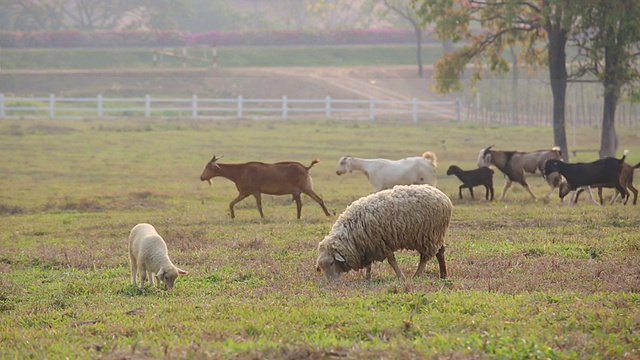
(413, 217)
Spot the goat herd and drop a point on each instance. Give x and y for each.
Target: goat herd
(405, 201)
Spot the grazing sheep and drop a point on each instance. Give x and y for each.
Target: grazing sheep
(149, 258)
(385, 173)
(372, 228)
(471, 178)
(514, 165)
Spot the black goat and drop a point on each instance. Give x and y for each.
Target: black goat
(604, 172)
(472, 178)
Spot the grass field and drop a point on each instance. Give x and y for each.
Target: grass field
(527, 279)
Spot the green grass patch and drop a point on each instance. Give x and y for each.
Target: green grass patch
(527, 279)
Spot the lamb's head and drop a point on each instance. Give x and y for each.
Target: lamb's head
(344, 165)
(168, 276)
(211, 170)
(331, 262)
(551, 166)
(484, 157)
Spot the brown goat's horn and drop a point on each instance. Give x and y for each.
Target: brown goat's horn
(214, 159)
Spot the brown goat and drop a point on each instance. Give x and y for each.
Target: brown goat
(626, 180)
(256, 178)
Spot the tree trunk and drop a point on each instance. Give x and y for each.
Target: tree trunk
(609, 138)
(418, 31)
(558, 76)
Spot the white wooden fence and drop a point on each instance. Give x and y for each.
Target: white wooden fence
(226, 108)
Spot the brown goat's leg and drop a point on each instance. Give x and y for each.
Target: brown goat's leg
(441, 263)
(296, 197)
(392, 261)
(635, 193)
(259, 203)
(239, 198)
(317, 199)
(506, 187)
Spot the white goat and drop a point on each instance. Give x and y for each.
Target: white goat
(385, 174)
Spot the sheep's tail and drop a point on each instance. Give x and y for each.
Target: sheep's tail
(315, 161)
(430, 155)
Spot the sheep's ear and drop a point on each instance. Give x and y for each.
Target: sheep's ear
(182, 272)
(159, 273)
(339, 257)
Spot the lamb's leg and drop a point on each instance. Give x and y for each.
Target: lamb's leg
(460, 191)
(392, 261)
(134, 270)
(471, 192)
(442, 263)
(239, 198)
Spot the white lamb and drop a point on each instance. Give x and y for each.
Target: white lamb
(149, 257)
(384, 173)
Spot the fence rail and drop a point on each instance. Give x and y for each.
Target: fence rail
(221, 108)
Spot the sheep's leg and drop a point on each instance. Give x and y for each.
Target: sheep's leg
(442, 263)
(421, 265)
(506, 187)
(317, 199)
(259, 203)
(143, 274)
(239, 198)
(392, 261)
(296, 197)
(134, 271)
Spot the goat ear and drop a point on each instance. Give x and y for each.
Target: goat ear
(339, 257)
(182, 272)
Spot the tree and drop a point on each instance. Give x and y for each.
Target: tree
(608, 39)
(404, 9)
(521, 24)
(90, 14)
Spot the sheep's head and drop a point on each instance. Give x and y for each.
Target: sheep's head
(331, 262)
(344, 165)
(210, 170)
(484, 157)
(168, 276)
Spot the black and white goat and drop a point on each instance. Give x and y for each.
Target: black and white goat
(603, 172)
(471, 178)
(514, 165)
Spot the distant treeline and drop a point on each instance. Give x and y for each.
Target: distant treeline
(168, 38)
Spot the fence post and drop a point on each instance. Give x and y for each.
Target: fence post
(147, 105)
(284, 107)
(328, 107)
(414, 110)
(52, 106)
(372, 109)
(2, 114)
(240, 106)
(100, 111)
(194, 106)
(458, 109)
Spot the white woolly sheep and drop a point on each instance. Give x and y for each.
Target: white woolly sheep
(149, 257)
(385, 173)
(372, 228)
